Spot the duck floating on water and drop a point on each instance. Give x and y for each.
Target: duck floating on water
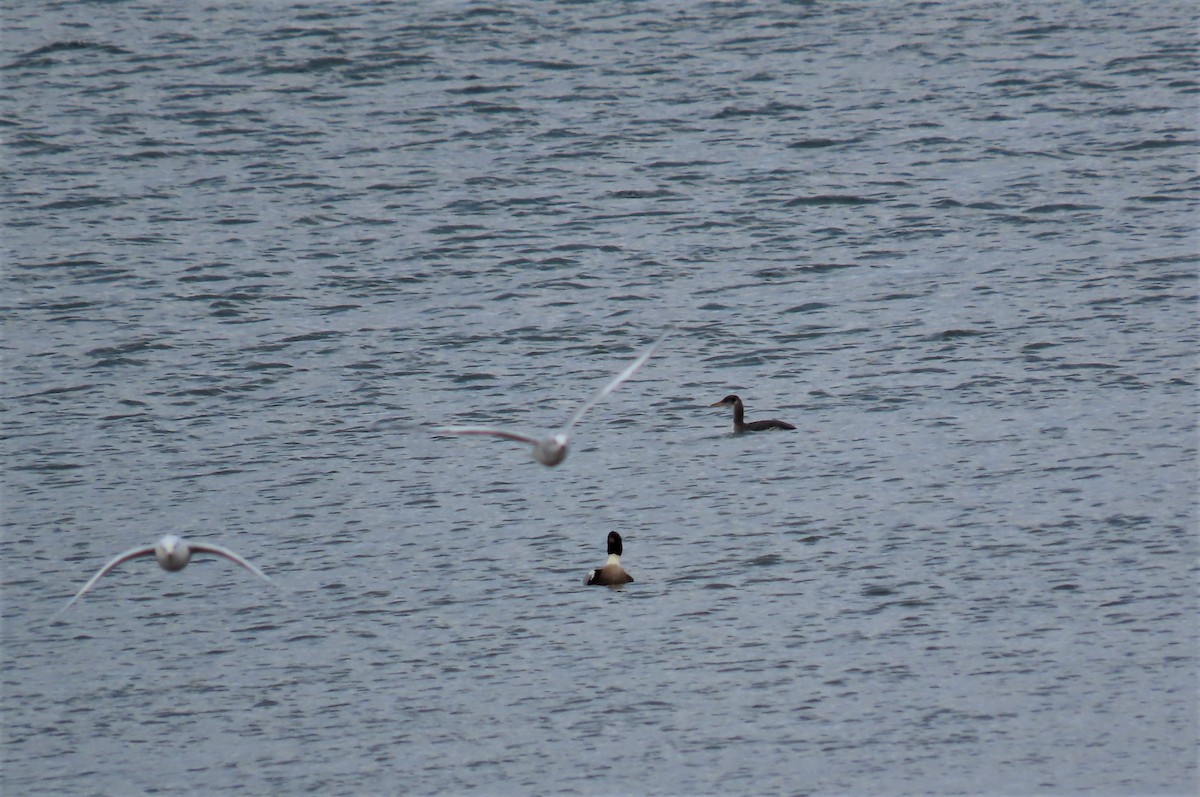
(611, 574)
(739, 417)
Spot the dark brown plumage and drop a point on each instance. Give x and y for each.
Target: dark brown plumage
(739, 417)
(611, 574)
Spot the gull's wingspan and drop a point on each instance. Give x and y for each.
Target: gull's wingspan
(488, 430)
(206, 547)
(132, 553)
(629, 371)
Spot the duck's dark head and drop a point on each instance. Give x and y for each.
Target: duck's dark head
(729, 401)
(614, 543)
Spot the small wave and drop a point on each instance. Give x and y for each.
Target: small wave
(320, 64)
(553, 66)
(821, 143)
(807, 307)
(827, 200)
(1061, 207)
(1038, 31)
(954, 334)
(634, 193)
(1158, 143)
(75, 204)
(75, 45)
(770, 109)
(309, 336)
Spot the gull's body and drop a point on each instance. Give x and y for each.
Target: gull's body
(611, 574)
(548, 450)
(552, 449)
(172, 554)
(739, 417)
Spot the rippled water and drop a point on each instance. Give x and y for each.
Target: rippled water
(253, 251)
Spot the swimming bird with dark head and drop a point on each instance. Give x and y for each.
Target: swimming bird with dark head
(611, 574)
(739, 417)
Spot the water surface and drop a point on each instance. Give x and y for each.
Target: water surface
(253, 251)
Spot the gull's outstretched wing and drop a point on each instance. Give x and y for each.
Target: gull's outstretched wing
(132, 553)
(629, 371)
(206, 547)
(491, 431)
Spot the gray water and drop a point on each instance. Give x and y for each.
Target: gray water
(254, 251)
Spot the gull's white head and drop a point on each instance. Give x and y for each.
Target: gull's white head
(551, 450)
(172, 553)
